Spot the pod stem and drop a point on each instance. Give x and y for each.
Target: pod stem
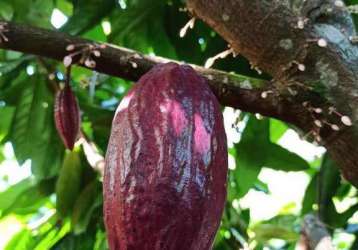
(68, 76)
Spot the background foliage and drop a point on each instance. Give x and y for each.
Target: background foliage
(59, 204)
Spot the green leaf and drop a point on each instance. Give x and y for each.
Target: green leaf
(261, 186)
(160, 42)
(10, 65)
(277, 129)
(33, 129)
(246, 173)
(251, 154)
(96, 34)
(10, 195)
(11, 85)
(52, 236)
(311, 196)
(101, 241)
(6, 114)
(328, 183)
(35, 12)
(134, 18)
(83, 241)
(6, 11)
(134, 28)
(279, 227)
(28, 198)
(266, 232)
(256, 131)
(47, 233)
(2, 156)
(255, 150)
(101, 120)
(342, 219)
(68, 183)
(89, 199)
(20, 241)
(87, 14)
(279, 158)
(28, 202)
(343, 190)
(74, 242)
(65, 6)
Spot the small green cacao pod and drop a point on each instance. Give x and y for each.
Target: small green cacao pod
(67, 116)
(68, 183)
(166, 164)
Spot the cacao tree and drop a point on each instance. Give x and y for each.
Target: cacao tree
(284, 65)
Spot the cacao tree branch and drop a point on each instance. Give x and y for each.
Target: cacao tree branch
(231, 89)
(299, 43)
(314, 235)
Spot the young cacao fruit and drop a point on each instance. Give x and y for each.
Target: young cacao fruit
(166, 164)
(67, 116)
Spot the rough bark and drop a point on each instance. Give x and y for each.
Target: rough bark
(314, 235)
(277, 36)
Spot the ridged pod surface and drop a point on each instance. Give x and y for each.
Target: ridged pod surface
(67, 116)
(166, 164)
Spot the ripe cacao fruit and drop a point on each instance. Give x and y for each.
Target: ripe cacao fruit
(166, 164)
(67, 116)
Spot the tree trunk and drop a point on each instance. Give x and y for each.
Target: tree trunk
(306, 47)
(314, 235)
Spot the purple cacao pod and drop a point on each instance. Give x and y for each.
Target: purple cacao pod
(67, 116)
(166, 164)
